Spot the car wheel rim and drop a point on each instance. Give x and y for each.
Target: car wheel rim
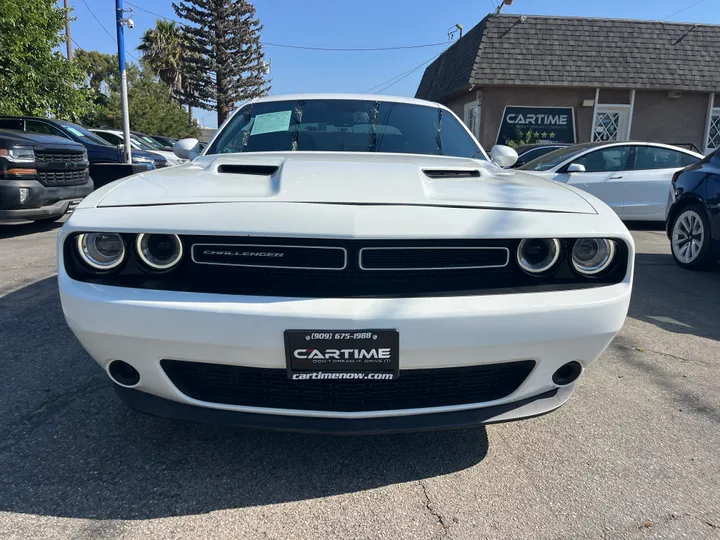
(688, 236)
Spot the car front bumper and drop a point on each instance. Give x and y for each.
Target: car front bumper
(42, 202)
(143, 327)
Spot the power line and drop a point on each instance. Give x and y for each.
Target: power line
(393, 81)
(683, 9)
(309, 48)
(348, 49)
(106, 30)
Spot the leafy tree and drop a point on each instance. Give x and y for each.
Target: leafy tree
(164, 51)
(151, 107)
(35, 79)
(224, 62)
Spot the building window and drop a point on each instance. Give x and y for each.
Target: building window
(713, 140)
(472, 118)
(611, 123)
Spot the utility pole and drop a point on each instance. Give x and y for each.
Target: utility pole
(68, 39)
(120, 23)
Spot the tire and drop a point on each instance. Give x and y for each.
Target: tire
(690, 241)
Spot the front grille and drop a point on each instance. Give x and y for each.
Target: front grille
(249, 266)
(271, 256)
(271, 388)
(433, 258)
(160, 164)
(59, 156)
(69, 178)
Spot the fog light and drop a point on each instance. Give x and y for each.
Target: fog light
(24, 194)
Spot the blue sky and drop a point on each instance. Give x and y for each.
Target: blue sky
(366, 23)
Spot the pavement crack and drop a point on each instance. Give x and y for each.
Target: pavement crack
(661, 353)
(429, 506)
(54, 407)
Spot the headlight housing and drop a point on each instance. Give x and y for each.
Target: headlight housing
(18, 155)
(101, 251)
(537, 256)
(159, 251)
(591, 256)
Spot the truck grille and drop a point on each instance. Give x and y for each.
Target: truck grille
(69, 178)
(417, 388)
(59, 156)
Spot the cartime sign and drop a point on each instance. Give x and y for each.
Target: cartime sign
(526, 125)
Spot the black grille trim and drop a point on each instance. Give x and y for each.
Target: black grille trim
(432, 258)
(442, 173)
(318, 257)
(59, 156)
(415, 388)
(68, 178)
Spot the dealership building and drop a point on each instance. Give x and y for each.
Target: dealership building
(570, 79)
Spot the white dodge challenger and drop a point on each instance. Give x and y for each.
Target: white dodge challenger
(344, 263)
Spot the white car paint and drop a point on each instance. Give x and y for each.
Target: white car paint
(633, 194)
(171, 158)
(347, 196)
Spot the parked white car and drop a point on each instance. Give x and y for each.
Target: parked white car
(115, 136)
(632, 178)
(344, 263)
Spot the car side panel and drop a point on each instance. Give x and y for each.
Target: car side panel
(645, 193)
(606, 186)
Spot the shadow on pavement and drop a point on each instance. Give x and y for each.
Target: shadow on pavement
(69, 448)
(675, 299)
(12, 230)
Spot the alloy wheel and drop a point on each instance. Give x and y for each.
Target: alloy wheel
(688, 236)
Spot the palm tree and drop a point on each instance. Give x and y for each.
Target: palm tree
(163, 54)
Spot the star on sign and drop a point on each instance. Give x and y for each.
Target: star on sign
(552, 134)
(544, 135)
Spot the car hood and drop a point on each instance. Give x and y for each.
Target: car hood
(343, 178)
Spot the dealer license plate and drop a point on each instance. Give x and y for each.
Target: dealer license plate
(371, 355)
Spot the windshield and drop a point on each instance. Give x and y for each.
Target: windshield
(555, 158)
(84, 135)
(345, 126)
(151, 143)
(140, 143)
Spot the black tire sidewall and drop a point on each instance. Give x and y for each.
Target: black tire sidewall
(702, 261)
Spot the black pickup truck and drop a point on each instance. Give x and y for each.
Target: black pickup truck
(41, 176)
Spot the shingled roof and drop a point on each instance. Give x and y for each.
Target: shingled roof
(578, 52)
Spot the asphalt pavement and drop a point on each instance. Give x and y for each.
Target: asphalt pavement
(634, 454)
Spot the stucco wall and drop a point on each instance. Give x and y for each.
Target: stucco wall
(660, 119)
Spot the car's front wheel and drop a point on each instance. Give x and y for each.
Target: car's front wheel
(690, 238)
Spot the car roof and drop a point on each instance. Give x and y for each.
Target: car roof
(360, 97)
(597, 144)
(526, 147)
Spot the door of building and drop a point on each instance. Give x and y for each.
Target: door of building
(611, 123)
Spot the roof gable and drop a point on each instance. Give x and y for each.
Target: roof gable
(570, 51)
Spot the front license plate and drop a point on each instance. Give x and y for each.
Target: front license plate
(342, 354)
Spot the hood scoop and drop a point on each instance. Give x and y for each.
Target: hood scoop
(448, 173)
(258, 170)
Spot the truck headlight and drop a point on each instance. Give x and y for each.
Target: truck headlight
(18, 155)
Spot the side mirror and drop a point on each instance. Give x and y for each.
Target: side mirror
(187, 148)
(575, 167)
(503, 156)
